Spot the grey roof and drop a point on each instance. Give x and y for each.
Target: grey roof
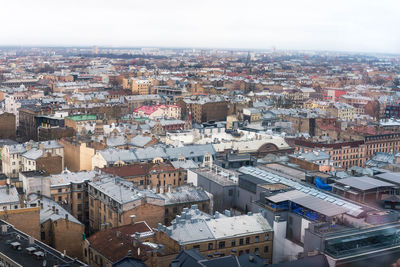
(392, 177)
(313, 156)
(364, 183)
(67, 177)
(165, 122)
(150, 153)
(320, 206)
(114, 141)
(268, 177)
(190, 151)
(51, 144)
(191, 232)
(10, 197)
(140, 140)
(47, 213)
(112, 155)
(172, 153)
(118, 189)
(289, 195)
(200, 230)
(17, 149)
(123, 192)
(187, 164)
(33, 154)
(184, 194)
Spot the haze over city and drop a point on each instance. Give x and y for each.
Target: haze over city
(200, 133)
(356, 25)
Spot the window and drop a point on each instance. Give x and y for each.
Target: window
(175, 210)
(266, 249)
(79, 196)
(247, 251)
(221, 244)
(233, 243)
(42, 235)
(256, 251)
(257, 239)
(79, 207)
(247, 240)
(210, 246)
(85, 252)
(59, 199)
(196, 246)
(59, 190)
(240, 252)
(241, 241)
(166, 211)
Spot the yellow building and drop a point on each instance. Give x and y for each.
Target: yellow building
(221, 235)
(140, 87)
(342, 111)
(312, 104)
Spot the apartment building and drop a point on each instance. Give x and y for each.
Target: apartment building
(204, 109)
(342, 111)
(19, 157)
(21, 249)
(113, 201)
(216, 237)
(150, 174)
(342, 154)
(140, 87)
(58, 228)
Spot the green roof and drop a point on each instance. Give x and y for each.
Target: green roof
(83, 117)
(141, 119)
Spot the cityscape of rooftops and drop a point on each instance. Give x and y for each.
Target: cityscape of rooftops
(189, 134)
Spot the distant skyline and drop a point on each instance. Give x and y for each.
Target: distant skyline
(352, 25)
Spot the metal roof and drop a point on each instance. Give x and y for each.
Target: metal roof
(269, 177)
(393, 177)
(320, 206)
(289, 195)
(364, 183)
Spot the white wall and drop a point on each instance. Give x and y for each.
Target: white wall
(191, 177)
(283, 249)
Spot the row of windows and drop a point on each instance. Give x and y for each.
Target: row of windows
(242, 241)
(247, 251)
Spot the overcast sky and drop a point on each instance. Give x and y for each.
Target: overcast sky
(341, 25)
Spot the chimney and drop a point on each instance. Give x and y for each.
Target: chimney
(56, 211)
(169, 188)
(132, 217)
(41, 205)
(53, 208)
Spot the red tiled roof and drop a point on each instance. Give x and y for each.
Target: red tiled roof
(115, 243)
(138, 169)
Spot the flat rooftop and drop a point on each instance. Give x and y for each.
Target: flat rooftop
(219, 175)
(39, 252)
